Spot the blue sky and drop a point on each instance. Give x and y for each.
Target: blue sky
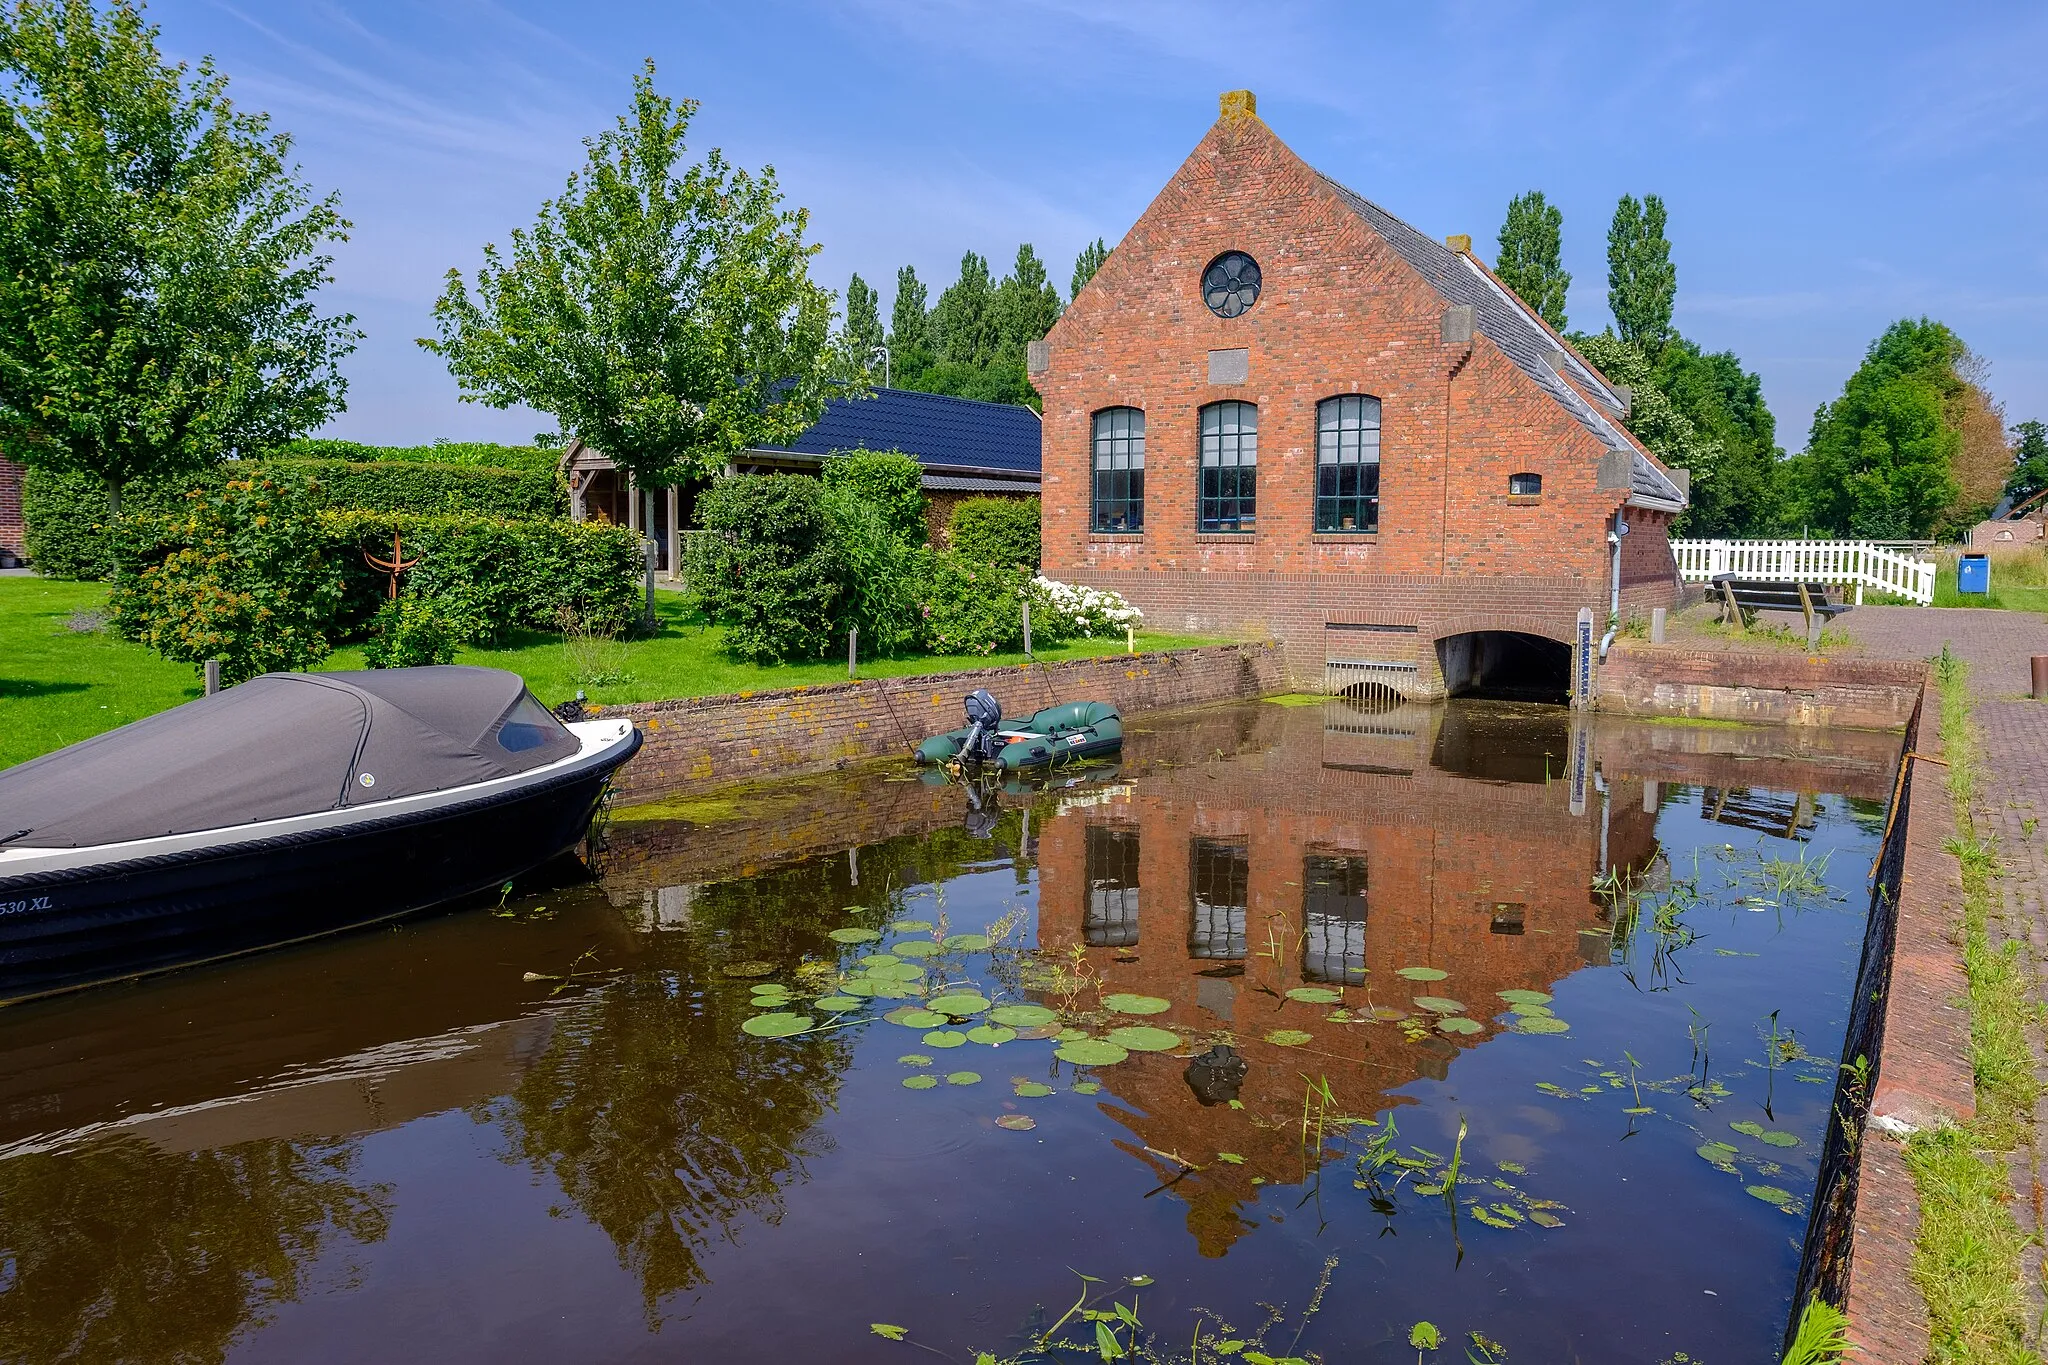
(1828, 168)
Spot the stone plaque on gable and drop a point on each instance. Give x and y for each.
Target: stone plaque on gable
(1230, 367)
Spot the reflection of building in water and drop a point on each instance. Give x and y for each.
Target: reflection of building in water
(1332, 855)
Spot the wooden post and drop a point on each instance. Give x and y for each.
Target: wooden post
(1027, 627)
(212, 676)
(852, 649)
(1656, 625)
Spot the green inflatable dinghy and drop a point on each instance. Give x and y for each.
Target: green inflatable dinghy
(1058, 734)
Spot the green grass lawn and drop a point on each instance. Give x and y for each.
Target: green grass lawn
(60, 684)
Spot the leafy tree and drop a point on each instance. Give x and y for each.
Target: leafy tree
(238, 575)
(663, 313)
(888, 480)
(1655, 420)
(2029, 461)
(963, 324)
(909, 327)
(1983, 460)
(862, 333)
(1086, 264)
(159, 255)
(1025, 307)
(1642, 283)
(1735, 492)
(1531, 256)
(1880, 459)
(770, 569)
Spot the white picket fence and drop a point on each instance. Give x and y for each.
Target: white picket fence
(1852, 563)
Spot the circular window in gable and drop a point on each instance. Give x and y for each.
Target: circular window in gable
(1230, 286)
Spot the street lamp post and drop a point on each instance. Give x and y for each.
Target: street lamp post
(882, 351)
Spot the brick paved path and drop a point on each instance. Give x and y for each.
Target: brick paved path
(2011, 807)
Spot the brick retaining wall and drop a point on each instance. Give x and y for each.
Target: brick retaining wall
(1772, 689)
(811, 729)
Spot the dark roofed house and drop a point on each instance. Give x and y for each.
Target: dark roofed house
(968, 449)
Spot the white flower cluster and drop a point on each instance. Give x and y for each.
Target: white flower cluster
(1083, 611)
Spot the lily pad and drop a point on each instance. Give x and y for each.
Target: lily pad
(874, 960)
(1749, 1128)
(887, 990)
(1016, 1123)
(1289, 1037)
(778, 1025)
(914, 1059)
(1546, 1220)
(1090, 1052)
(967, 943)
(1542, 1023)
(1422, 973)
(963, 1078)
(748, 970)
(1136, 1004)
(991, 1034)
(911, 1016)
(1524, 997)
(1041, 1031)
(1144, 1038)
(769, 988)
(1022, 1016)
(1437, 1004)
(1314, 995)
(1526, 1011)
(838, 1002)
(1087, 1087)
(1459, 1024)
(1770, 1194)
(853, 935)
(944, 1037)
(1778, 1139)
(896, 971)
(1030, 1090)
(1386, 1014)
(919, 1082)
(910, 926)
(917, 947)
(861, 986)
(1717, 1154)
(958, 1003)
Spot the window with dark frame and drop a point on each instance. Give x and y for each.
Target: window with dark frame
(1119, 459)
(1348, 465)
(1230, 468)
(1110, 919)
(1333, 906)
(1219, 878)
(1525, 485)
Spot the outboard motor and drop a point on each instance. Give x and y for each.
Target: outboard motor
(984, 714)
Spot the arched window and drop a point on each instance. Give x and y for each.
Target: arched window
(1230, 468)
(1119, 471)
(1525, 485)
(1348, 464)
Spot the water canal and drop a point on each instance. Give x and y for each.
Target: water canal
(1214, 1017)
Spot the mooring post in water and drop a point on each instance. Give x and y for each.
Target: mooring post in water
(1027, 627)
(2040, 677)
(1653, 796)
(1582, 661)
(852, 649)
(213, 676)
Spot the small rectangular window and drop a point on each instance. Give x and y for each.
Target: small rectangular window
(1525, 485)
(1119, 471)
(1220, 878)
(1230, 468)
(1110, 919)
(1348, 464)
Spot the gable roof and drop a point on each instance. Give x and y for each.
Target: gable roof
(1522, 337)
(936, 429)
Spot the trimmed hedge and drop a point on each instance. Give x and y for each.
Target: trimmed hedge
(996, 531)
(889, 480)
(66, 515)
(468, 454)
(491, 575)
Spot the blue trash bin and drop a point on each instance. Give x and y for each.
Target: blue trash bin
(1973, 574)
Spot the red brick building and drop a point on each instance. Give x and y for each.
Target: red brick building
(12, 543)
(1279, 409)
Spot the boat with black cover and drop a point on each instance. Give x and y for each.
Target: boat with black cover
(293, 805)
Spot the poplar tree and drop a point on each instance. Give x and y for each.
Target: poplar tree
(861, 334)
(159, 257)
(1642, 283)
(1026, 306)
(909, 324)
(1086, 264)
(963, 330)
(1531, 256)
